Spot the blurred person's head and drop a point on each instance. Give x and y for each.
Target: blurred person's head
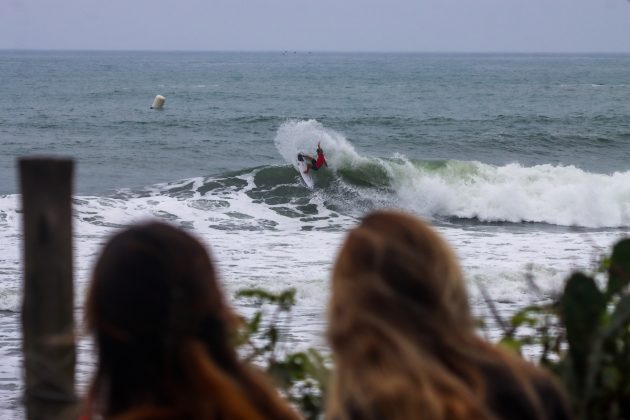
(164, 333)
(403, 337)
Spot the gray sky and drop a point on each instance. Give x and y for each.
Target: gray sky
(319, 25)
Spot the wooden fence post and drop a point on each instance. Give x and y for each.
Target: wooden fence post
(48, 300)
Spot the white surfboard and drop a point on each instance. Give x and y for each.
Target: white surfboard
(301, 165)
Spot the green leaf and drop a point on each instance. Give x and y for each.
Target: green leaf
(254, 324)
(272, 335)
(619, 270)
(619, 318)
(526, 316)
(512, 344)
(582, 307)
(610, 378)
(285, 299)
(257, 294)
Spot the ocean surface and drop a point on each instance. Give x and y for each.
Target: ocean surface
(521, 161)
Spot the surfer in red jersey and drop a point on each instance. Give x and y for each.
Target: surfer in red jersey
(315, 163)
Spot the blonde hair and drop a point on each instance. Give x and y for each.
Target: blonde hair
(402, 333)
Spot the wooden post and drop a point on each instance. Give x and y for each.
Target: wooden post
(48, 300)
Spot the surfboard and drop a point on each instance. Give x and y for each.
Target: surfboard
(301, 165)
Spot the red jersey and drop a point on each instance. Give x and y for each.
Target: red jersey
(321, 160)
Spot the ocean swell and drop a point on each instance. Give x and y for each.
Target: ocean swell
(551, 194)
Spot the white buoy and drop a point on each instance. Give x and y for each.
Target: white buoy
(158, 102)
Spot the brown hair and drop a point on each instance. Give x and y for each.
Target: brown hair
(163, 334)
(403, 337)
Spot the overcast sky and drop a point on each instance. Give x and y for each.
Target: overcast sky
(318, 25)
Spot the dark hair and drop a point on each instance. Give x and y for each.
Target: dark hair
(404, 341)
(163, 334)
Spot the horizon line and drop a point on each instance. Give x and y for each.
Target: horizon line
(323, 51)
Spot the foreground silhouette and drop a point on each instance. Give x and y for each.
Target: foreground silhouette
(164, 333)
(404, 341)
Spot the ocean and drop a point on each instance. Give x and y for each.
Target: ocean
(522, 162)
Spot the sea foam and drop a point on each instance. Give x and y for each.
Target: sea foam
(558, 195)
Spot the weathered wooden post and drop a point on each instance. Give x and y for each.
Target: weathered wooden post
(48, 300)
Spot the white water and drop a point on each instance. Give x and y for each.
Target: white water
(304, 135)
(558, 195)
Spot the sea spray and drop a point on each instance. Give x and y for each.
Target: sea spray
(295, 136)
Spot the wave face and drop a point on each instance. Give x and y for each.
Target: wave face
(551, 194)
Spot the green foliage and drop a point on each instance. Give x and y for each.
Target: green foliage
(584, 337)
(619, 268)
(301, 376)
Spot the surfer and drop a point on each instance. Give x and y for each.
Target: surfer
(315, 163)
